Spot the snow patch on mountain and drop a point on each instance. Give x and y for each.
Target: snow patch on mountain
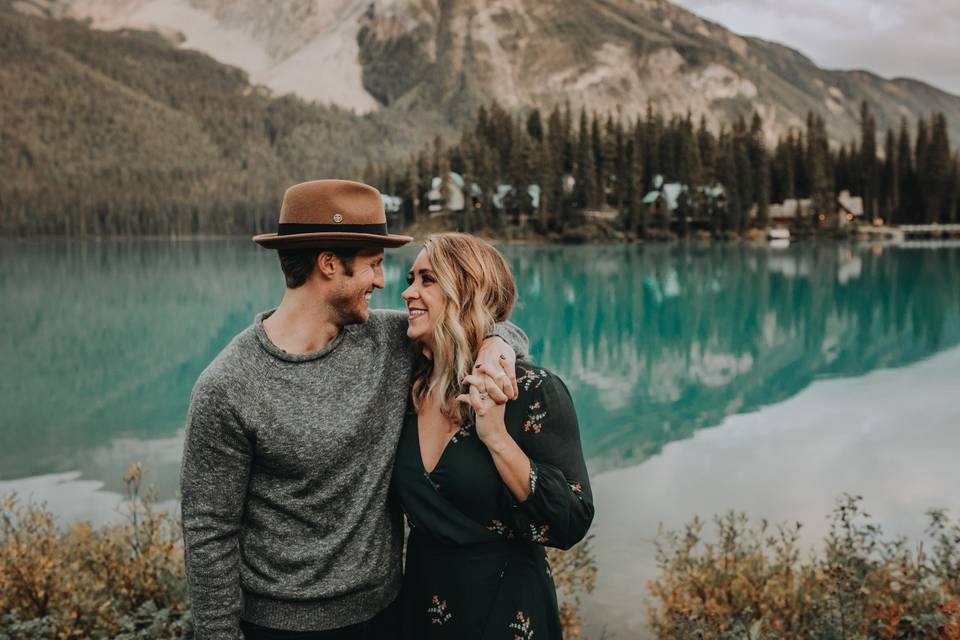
(325, 67)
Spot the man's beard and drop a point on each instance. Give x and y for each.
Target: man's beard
(349, 306)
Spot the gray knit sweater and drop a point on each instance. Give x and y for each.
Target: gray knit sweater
(286, 468)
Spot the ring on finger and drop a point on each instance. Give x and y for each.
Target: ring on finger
(484, 395)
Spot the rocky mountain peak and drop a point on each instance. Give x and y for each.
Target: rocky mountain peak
(448, 56)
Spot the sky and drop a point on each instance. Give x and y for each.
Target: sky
(893, 38)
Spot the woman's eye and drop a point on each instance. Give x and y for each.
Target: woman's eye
(427, 279)
(409, 279)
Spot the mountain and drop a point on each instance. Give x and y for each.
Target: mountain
(449, 56)
(122, 133)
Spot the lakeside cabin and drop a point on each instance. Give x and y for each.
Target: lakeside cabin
(666, 199)
(519, 203)
(847, 209)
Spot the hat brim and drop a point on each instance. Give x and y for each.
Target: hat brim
(324, 240)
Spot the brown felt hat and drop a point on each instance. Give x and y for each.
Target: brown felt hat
(331, 213)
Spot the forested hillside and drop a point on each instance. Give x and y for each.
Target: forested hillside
(121, 133)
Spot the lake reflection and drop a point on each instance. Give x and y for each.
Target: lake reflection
(103, 341)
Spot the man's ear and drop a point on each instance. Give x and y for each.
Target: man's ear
(327, 264)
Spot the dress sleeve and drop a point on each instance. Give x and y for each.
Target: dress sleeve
(559, 509)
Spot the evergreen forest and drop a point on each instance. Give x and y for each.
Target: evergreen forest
(600, 162)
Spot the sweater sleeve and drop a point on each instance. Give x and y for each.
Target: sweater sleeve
(513, 336)
(559, 510)
(213, 484)
(396, 324)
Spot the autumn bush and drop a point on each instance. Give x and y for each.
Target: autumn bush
(125, 580)
(754, 583)
(574, 573)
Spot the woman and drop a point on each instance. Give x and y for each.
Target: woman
(484, 487)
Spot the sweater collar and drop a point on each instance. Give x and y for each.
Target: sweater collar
(280, 354)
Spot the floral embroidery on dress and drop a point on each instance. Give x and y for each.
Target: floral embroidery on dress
(533, 479)
(577, 488)
(539, 534)
(534, 421)
(532, 379)
(521, 627)
(463, 432)
(497, 526)
(438, 611)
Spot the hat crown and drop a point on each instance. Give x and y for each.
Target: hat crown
(332, 202)
(326, 213)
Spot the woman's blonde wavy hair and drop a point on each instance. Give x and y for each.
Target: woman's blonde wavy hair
(479, 291)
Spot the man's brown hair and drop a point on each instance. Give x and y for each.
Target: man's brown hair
(298, 264)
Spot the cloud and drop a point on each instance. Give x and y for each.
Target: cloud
(889, 37)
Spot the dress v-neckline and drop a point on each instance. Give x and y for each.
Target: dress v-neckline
(443, 452)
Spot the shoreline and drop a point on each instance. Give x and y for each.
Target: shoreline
(577, 236)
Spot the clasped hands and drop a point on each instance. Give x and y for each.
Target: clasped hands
(492, 382)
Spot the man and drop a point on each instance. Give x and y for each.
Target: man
(291, 436)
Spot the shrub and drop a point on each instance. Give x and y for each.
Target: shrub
(125, 580)
(752, 583)
(574, 572)
(86, 582)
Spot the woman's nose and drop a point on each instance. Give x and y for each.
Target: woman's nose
(407, 293)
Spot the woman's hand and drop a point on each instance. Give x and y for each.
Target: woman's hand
(511, 462)
(490, 425)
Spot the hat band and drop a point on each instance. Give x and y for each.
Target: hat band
(291, 228)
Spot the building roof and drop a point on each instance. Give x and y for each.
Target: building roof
(850, 204)
(790, 208)
(455, 178)
(670, 192)
(391, 204)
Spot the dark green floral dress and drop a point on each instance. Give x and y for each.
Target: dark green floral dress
(476, 566)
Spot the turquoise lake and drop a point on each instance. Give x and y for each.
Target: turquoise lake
(706, 377)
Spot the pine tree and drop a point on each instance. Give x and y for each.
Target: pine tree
(599, 164)
(822, 191)
(707, 147)
(953, 203)
(585, 175)
(760, 160)
(425, 177)
(548, 179)
(906, 181)
(535, 126)
(868, 161)
(727, 163)
(621, 178)
(653, 131)
(841, 170)
(889, 193)
(745, 187)
(936, 175)
(921, 158)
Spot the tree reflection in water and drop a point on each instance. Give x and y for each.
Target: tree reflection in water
(102, 341)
